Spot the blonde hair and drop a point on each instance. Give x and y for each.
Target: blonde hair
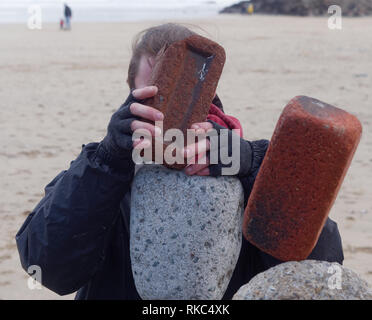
(153, 40)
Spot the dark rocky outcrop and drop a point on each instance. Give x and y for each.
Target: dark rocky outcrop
(303, 7)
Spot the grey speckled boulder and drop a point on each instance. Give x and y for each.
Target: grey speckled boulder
(305, 280)
(185, 233)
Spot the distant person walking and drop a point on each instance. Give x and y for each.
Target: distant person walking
(61, 23)
(68, 15)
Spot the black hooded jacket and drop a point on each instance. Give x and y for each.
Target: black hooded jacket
(79, 232)
(68, 12)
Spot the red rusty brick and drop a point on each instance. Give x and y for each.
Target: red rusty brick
(186, 74)
(307, 159)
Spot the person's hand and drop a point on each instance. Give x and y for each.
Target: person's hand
(144, 112)
(118, 141)
(199, 153)
(196, 153)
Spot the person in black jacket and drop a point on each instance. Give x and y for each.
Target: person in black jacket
(68, 15)
(79, 232)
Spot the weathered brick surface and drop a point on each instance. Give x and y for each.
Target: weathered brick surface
(301, 174)
(187, 74)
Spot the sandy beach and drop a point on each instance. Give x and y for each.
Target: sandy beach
(59, 89)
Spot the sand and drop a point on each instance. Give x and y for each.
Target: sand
(59, 89)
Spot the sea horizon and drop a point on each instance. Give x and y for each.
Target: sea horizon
(20, 11)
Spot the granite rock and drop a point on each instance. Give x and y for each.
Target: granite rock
(185, 233)
(306, 280)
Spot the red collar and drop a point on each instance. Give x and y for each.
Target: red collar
(230, 122)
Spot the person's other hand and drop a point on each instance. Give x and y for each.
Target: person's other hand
(196, 153)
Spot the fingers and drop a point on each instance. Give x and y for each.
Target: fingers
(202, 125)
(198, 164)
(141, 143)
(196, 168)
(203, 172)
(146, 112)
(196, 148)
(141, 126)
(144, 93)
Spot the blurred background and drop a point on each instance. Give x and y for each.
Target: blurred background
(113, 10)
(62, 77)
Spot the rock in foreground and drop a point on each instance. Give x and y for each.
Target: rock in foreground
(306, 280)
(185, 233)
